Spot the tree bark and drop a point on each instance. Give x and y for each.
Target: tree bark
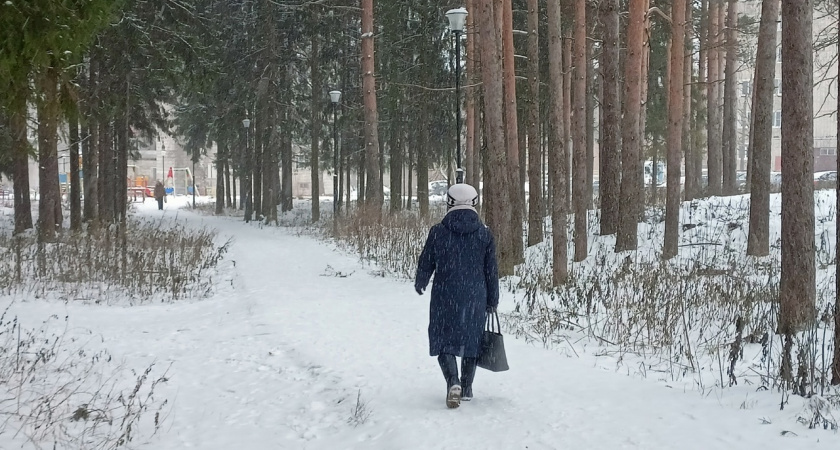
(20, 177)
(535, 208)
(221, 192)
(315, 130)
(395, 149)
(514, 252)
(470, 93)
(730, 100)
(373, 190)
(687, 141)
(568, 88)
(49, 207)
(286, 156)
(590, 110)
(798, 283)
(75, 185)
(699, 121)
(758, 241)
(557, 147)
(496, 188)
(609, 153)
(713, 107)
(630, 197)
(835, 366)
(579, 133)
(674, 139)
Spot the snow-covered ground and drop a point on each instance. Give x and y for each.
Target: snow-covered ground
(298, 335)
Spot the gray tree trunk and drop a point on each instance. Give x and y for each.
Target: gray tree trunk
(630, 197)
(730, 100)
(798, 282)
(609, 180)
(535, 208)
(557, 148)
(579, 133)
(674, 138)
(758, 241)
(373, 188)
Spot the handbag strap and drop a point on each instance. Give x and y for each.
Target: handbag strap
(489, 322)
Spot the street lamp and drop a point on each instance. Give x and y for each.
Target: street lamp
(335, 97)
(457, 17)
(246, 123)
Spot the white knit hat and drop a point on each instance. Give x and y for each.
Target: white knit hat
(461, 196)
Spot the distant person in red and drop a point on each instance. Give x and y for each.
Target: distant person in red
(160, 194)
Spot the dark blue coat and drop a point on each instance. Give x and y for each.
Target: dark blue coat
(461, 252)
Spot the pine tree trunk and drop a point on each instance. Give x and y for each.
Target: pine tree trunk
(590, 112)
(315, 130)
(20, 177)
(105, 185)
(373, 192)
(568, 88)
(75, 185)
(687, 141)
(609, 152)
(496, 192)
(50, 194)
(674, 139)
(259, 152)
(395, 149)
(221, 193)
(798, 283)
(422, 159)
(630, 196)
(121, 132)
(835, 366)
(730, 100)
(758, 241)
(713, 107)
(579, 133)
(640, 212)
(470, 93)
(535, 208)
(700, 135)
(513, 253)
(557, 148)
(286, 156)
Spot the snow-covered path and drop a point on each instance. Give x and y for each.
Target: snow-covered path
(277, 362)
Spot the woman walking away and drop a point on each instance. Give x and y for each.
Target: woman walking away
(160, 194)
(461, 252)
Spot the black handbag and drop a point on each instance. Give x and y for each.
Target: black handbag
(492, 355)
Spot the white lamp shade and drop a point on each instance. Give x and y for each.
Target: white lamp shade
(457, 17)
(246, 123)
(335, 96)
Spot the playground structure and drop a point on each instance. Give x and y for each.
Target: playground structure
(179, 181)
(138, 185)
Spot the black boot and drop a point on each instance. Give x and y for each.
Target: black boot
(449, 367)
(467, 377)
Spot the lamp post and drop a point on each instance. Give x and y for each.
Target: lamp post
(246, 123)
(335, 97)
(457, 17)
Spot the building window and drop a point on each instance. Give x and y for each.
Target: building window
(777, 119)
(777, 87)
(828, 151)
(746, 89)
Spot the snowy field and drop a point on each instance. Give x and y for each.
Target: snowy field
(304, 347)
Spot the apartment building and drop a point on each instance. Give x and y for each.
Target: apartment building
(825, 93)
